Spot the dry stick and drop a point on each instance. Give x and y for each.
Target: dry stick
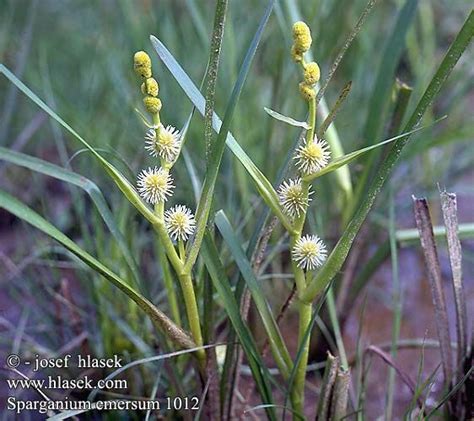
(428, 244)
(324, 402)
(403, 376)
(449, 207)
(405, 344)
(340, 395)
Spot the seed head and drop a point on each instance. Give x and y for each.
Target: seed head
(312, 73)
(313, 156)
(150, 87)
(142, 64)
(179, 222)
(307, 91)
(301, 37)
(293, 198)
(165, 145)
(152, 104)
(155, 185)
(309, 252)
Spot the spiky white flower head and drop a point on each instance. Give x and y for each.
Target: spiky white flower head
(309, 252)
(155, 185)
(311, 157)
(166, 145)
(292, 197)
(179, 222)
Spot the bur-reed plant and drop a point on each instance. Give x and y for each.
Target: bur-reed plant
(190, 246)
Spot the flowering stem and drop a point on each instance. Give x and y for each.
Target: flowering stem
(311, 120)
(297, 394)
(182, 252)
(304, 309)
(193, 314)
(184, 280)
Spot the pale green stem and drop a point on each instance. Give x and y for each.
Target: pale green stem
(297, 395)
(182, 251)
(304, 309)
(193, 314)
(185, 282)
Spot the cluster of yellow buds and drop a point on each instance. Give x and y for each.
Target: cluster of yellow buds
(301, 44)
(149, 87)
(155, 184)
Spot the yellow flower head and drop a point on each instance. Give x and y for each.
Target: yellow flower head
(313, 156)
(302, 37)
(152, 104)
(142, 64)
(311, 73)
(150, 87)
(309, 252)
(155, 185)
(292, 197)
(307, 91)
(179, 222)
(296, 55)
(166, 144)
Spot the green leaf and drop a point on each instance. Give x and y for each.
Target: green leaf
(207, 195)
(338, 256)
(221, 283)
(277, 344)
(44, 167)
(380, 97)
(20, 210)
(124, 185)
(264, 187)
(348, 158)
(287, 120)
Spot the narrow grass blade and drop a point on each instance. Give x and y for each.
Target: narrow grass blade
(396, 304)
(148, 360)
(222, 285)
(44, 167)
(449, 206)
(338, 256)
(124, 185)
(207, 195)
(212, 69)
(285, 119)
(20, 210)
(348, 42)
(324, 401)
(388, 360)
(428, 244)
(348, 158)
(380, 97)
(263, 185)
(335, 109)
(451, 393)
(277, 344)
